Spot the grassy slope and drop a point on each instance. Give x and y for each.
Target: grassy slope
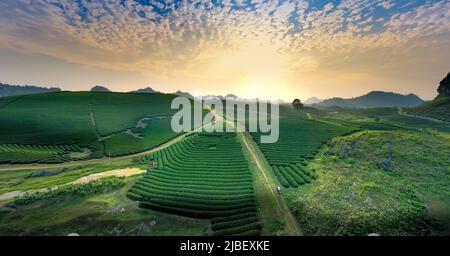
(205, 176)
(119, 111)
(67, 118)
(438, 109)
(24, 180)
(96, 214)
(381, 119)
(49, 118)
(354, 196)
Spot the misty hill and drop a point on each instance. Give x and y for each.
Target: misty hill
(231, 96)
(12, 90)
(375, 99)
(99, 88)
(312, 101)
(144, 90)
(184, 94)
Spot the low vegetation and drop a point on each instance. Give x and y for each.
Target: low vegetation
(356, 195)
(99, 210)
(80, 190)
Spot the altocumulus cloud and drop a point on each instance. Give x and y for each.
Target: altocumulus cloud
(180, 38)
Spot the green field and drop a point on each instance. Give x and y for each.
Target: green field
(204, 176)
(65, 126)
(344, 171)
(299, 141)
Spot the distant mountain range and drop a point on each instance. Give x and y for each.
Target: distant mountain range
(375, 99)
(145, 90)
(210, 97)
(371, 100)
(184, 94)
(150, 90)
(312, 101)
(12, 90)
(99, 88)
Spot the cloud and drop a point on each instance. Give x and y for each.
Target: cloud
(189, 39)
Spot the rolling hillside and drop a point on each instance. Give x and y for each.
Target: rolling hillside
(13, 90)
(63, 126)
(205, 176)
(439, 108)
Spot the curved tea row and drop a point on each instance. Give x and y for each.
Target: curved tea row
(299, 141)
(203, 176)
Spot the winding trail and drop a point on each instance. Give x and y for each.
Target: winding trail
(291, 223)
(403, 113)
(16, 167)
(283, 210)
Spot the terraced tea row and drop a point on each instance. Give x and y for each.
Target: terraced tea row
(19, 154)
(97, 124)
(203, 176)
(299, 141)
(293, 175)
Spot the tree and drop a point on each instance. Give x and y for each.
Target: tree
(297, 104)
(444, 87)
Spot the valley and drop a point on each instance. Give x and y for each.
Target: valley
(327, 162)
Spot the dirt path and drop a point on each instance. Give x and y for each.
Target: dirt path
(291, 224)
(91, 161)
(169, 143)
(401, 112)
(11, 195)
(126, 172)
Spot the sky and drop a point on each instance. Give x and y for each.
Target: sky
(279, 49)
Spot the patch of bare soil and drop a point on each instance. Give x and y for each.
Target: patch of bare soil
(118, 172)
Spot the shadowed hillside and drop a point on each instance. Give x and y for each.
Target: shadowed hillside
(439, 108)
(375, 99)
(13, 90)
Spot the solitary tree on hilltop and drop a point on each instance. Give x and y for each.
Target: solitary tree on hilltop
(297, 104)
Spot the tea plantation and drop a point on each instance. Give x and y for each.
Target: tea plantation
(204, 176)
(64, 126)
(299, 141)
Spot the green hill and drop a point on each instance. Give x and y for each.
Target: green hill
(375, 99)
(62, 126)
(13, 90)
(439, 108)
